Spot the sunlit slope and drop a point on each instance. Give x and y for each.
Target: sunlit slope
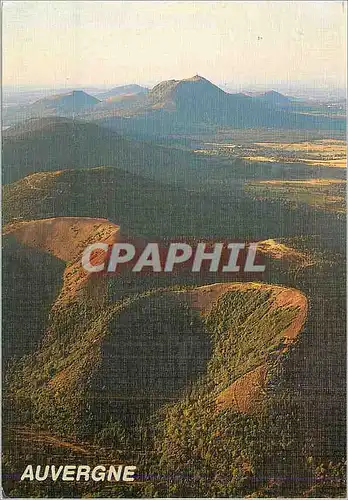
(100, 361)
(96, 192)
(320, 194)
(250, 324)
(144, 206)
(42, 269)
(141, 205)
(202, 356)
(66, 238)
(324, 152)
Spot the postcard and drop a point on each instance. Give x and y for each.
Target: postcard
(174, 249)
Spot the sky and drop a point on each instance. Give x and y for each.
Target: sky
(66, 43)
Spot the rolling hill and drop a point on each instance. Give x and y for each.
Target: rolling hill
(222, 379)
(175, 94)
(123, 90)
(140, 204)
(56, 143)
(226, 345)
(66, 104)
(84, 347)
(144, 206)
(272, 98)
(80, 377)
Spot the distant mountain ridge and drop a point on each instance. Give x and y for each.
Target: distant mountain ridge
(271, 97)
(71, 102)
(180, 106)
(183, 106)
(123, 90)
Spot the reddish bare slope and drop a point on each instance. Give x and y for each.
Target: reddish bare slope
(246, 393)
(66, 238)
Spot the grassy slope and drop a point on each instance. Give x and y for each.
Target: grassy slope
(108, 192)
(137, 204)
(49, 144)
(223, 450)
(90, 344)
(71, 369)
(76, 383)
(80, 358)
(145, 207)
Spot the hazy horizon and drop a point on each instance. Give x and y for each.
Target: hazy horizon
(62, 44)
(230, 85)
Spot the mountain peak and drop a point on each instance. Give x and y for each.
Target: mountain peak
(277, 97)
(123, 90)
(78, 92)
(196, 78)
(196, 87)
(273, 92)
(73, 101)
